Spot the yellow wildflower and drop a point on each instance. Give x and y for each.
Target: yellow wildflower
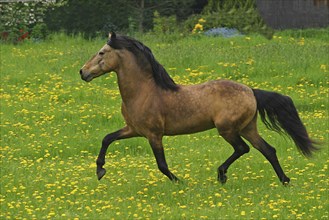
(201, 20)
(198, 26)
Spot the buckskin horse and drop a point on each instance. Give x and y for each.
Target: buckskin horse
(153, 106)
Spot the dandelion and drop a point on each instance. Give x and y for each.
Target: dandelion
(218, 195)
(323, 67)
(201, 20)
(250, 61)
(198, 28)
(301, 42)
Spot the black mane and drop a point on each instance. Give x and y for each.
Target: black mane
(160, 75)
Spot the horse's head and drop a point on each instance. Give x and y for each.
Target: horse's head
(106, 60)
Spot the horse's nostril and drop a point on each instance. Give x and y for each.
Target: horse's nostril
(80, 71)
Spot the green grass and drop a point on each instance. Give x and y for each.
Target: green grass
(52, 124)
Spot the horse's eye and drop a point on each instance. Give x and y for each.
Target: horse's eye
(101, 53)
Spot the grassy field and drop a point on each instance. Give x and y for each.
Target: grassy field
(52, 125)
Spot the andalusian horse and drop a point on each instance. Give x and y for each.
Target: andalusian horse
(153, 106)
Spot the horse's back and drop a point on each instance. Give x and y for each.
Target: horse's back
(218, 103)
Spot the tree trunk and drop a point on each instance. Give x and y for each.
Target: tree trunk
(141, 16)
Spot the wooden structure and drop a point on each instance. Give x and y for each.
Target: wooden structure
(283, 14)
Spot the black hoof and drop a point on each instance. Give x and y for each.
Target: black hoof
(222, 177)
(100, 173)
(286, 181)
(175, 180)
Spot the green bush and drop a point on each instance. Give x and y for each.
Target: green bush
(166, 28)
(241, 15)
(164, 25)
(39, 32)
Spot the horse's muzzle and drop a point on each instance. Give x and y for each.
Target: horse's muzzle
(85, 76)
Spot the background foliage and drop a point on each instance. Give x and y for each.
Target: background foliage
(91, 17)
(18, 19)
(239, 14)
(97, 17)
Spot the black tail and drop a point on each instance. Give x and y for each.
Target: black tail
(278, 111)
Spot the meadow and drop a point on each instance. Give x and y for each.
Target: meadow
(52, 125)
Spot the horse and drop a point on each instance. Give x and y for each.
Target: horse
(153, 106)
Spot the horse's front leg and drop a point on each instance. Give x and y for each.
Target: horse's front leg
(123, 133)
(158, 151)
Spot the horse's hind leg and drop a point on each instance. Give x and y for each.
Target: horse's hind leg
(240, 148)
(250, 133)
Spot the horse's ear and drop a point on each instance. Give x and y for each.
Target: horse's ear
(112, 35)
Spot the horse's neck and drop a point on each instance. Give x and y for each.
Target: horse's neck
(135, 85)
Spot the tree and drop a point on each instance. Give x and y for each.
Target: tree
(18, 18)
(95, 16)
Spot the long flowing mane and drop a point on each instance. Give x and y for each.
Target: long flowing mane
(143, 53)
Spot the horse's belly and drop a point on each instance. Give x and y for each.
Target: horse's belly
(188, 126)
